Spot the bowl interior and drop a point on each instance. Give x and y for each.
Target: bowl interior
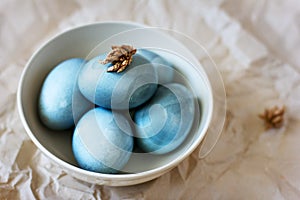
(86, 42)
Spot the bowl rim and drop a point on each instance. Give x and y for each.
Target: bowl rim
(102, 176)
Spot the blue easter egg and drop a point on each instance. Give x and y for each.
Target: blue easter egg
(127, 89)
(165, 121)
(164, 68)
(99, 144)
(61, 104)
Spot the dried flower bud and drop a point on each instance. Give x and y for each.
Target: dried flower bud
(120, 57)
(273, 117)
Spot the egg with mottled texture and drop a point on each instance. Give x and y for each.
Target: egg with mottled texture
(165, 70)
(61, 104)
(165, 121)
(127, 89)
(99, 144)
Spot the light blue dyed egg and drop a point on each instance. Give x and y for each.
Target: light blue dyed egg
(60, 102)
(164, 68)
(127, 89)
(165, 121)
(99, 144)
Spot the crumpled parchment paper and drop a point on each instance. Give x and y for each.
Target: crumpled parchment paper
(256, 46)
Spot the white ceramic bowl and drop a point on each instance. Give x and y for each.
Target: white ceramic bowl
(85, 42)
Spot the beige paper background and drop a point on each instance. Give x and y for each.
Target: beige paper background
(256, 46)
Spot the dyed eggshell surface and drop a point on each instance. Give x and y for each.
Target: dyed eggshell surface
(61, 104)
(165, 121)
(165, 70)
(127, 89)
(99, 145)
